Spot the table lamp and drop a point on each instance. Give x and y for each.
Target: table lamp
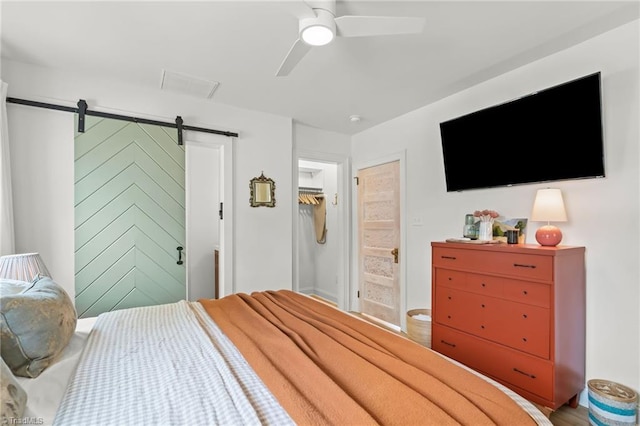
(22, 267)
(548, 207)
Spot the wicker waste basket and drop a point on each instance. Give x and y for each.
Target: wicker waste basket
(419, 326)
(611, 403)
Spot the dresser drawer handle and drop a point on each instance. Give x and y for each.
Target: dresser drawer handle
(448, 257)
(525, 292)
(524, 316)
(453, 345)
(483, 285)
(524, 373)
(522, 265)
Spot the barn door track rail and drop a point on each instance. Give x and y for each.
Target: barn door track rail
(82, 111)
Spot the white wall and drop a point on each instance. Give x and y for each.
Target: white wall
(603, 214)
(41, 143)
(42, 168)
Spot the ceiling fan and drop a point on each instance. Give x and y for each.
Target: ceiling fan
(318, 26)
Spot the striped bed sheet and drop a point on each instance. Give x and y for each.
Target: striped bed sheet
(161, 365)
(171, 364)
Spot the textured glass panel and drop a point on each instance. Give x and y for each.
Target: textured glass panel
(378, 238)
(380, 181)
(379, 293)
(379, 210)
(377, 265)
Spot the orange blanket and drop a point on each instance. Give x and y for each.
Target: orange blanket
(326, 367)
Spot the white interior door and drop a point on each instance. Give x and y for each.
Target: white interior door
(203, 222)
(379, 241)
(209, 180)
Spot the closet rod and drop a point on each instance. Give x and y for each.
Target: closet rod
(82, 111)
(309, 189)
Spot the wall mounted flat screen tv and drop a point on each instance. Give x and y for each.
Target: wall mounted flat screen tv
(553, 134)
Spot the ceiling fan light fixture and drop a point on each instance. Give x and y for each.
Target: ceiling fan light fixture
(317, 35)
(320, 30)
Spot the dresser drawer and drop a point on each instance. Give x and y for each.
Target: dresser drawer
(473, 313)
(457, 309)
(506, 365)
(528, 292)
(459, 346)
(446, 257)
(523, 266)
(528, 373)
(486, 284)
(450, 278)
(523, 327)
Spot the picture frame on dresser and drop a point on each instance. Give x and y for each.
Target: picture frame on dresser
(515, 313)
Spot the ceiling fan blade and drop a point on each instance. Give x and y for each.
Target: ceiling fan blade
(361, 26)
(298, 8)
(296, 53)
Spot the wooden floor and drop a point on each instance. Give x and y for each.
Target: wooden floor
(566, 416)
(563, 416)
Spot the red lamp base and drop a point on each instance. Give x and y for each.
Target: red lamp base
(548, 235)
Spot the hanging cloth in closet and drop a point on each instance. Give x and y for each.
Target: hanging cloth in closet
(320, 220)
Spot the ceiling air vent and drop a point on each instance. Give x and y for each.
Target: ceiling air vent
(188, 85)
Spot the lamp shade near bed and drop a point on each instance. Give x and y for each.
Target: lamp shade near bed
(22, 267)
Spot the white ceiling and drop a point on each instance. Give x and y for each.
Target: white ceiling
(241, 45)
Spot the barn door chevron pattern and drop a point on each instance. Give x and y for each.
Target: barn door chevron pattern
(129, 216)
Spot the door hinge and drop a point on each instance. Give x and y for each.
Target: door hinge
(357, 179)
(221, 210)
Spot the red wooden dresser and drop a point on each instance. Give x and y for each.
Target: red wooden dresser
(515, 313)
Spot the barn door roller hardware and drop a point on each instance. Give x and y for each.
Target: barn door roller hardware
(82, 111)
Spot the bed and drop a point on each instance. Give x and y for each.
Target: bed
(273, 357)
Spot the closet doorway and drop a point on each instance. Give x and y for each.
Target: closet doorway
(321, 236)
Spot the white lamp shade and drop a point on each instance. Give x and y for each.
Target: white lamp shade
(548, 206)
(22, 267)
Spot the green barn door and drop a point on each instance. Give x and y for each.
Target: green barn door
(129, 216)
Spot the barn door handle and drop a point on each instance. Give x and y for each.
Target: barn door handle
(179, 262)
(394, 252)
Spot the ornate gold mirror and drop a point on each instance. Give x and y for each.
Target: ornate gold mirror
(262, 192)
